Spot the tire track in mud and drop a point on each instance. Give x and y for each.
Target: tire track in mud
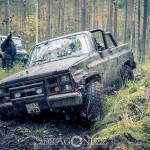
(42, 134)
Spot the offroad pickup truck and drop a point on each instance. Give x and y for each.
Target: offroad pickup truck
(21, 56)
(68, 72)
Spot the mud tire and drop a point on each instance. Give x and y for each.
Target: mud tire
(93, 106)
(127, 74)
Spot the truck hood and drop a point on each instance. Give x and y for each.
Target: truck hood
(46, 69)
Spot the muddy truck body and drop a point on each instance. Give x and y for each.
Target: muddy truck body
(68, 72)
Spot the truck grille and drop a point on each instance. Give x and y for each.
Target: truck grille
(27, 91)
(46, 85)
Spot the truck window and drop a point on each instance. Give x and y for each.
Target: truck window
(98, 41)
(110, 40)
(99, 38)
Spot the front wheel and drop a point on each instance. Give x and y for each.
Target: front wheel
(93, 106)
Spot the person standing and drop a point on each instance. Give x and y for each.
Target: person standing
(9, 49)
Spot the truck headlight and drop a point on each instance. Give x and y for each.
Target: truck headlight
(17, 95)
(67, 87)
(39, 91)
(65, 78)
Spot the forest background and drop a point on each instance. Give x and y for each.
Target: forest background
(128, 20)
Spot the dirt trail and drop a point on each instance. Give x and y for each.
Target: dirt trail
(42, 134)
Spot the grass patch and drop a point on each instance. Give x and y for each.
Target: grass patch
(5, 73)
(42, 128)
(127, 111)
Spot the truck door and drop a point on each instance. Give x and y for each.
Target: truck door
(106, 67)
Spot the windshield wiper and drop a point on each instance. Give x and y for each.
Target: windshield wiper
(40, 60)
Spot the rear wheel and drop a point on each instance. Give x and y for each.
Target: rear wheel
(92, 110)
(127, 73)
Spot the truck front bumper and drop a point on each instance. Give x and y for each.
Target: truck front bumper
(65, 100)
(52, 102)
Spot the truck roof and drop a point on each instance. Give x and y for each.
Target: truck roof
(60, 37)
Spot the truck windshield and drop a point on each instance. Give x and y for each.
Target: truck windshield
(60, 49)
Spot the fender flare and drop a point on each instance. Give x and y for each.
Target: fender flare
(130, 63)
(89, 77)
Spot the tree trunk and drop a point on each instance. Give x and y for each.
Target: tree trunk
(3, 23)
(63, 16)
(110, 15)
(7, 17)
(39, 14)
(79, 16)
(21, 25)
(126, 18)
(90, 14)
(83, 15)
(24, 12)
(48, 20)
(148, 27)
(39, 9)
(94, 14)
(144, 29)
(139, 33)
(133, 25)
(75, 13)
(97, 16)
(115, 19)
(102, 14)
(59, 13)
(130, 13)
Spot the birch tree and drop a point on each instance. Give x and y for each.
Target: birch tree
(144, 29)
(110, 15)
(48, 20)
(7, 17)
(125, 21)
(139, 32)
(62, 18)
(115, 18)
(133, 25)
(83, 15)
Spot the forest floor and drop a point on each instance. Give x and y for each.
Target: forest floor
(126, 124)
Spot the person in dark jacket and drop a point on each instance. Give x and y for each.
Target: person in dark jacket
(9, 49)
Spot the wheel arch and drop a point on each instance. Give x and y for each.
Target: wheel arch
(131, 63)
(95, 76)
(128, 62)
